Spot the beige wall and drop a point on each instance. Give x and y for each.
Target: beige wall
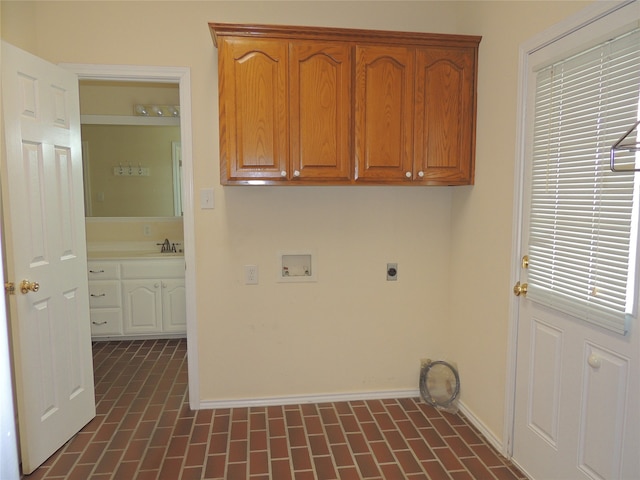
(351, 331)
(119, 98)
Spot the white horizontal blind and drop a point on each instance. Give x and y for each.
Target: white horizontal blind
(581, 236)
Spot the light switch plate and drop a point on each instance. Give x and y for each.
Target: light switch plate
(206, 198)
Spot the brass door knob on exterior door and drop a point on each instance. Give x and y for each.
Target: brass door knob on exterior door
(520, 289)
(26, 286)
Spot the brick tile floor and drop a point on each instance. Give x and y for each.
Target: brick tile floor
(144, 429)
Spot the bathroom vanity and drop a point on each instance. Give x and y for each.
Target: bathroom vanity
(137, 295)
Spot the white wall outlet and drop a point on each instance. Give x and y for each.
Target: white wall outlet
(251, 274)
(146, 230)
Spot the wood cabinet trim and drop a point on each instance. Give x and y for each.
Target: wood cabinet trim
(381, 37)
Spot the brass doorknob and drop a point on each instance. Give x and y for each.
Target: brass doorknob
(26, 286)
(520, 289)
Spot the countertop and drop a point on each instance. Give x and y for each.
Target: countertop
(131, 255)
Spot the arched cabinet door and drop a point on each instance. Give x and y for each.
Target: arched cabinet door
(384, 113)
(445, 114)
(253, 109)
(320, 110)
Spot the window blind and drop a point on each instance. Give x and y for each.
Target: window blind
(583, 217)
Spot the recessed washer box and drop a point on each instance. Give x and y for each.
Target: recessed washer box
(297, 266)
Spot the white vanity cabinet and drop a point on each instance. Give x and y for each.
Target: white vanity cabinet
(149, 297)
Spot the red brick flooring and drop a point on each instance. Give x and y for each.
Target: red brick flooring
(145, 430)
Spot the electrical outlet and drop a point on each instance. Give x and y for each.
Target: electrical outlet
(251, 274)
(392, 272)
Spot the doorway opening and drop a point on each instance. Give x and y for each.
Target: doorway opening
(181, 77)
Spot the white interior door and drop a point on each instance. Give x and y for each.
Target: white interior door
(577, 413)
(45, 243)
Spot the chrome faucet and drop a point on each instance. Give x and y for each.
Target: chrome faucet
(166, 246)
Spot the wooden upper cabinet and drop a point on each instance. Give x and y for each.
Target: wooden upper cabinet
(320, 110)
(254, 141)
(384, 113)
(329, 106)
(445, 115)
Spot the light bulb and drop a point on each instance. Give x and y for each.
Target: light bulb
(141, 110)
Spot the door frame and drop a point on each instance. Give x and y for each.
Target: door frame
(181, 76)
(586, 16)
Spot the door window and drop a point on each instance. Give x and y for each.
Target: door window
(583, 230)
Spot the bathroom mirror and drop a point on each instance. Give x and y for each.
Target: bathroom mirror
(131, 153)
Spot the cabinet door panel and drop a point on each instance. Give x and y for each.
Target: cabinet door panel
(174, 306)
(253, 109)
(445, 115)
(384, 112)
(320, 118)
(142, 306)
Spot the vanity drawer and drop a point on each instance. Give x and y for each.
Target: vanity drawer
(104, 294)
(103, 270)
(106, 321)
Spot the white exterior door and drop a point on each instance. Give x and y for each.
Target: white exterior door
(577, 408)
(45, 243)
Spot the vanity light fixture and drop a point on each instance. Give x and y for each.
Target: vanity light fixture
(141, 110)
(157, 110)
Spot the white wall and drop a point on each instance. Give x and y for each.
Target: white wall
(351, 331)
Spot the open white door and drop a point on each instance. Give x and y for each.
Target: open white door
(45, 244)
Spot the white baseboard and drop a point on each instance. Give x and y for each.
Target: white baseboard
(299, 399)
(488, 434)
(151, 336)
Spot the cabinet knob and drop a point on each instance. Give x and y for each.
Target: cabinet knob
(421, 174)
(296, 173)
(283, 173)
(156, 285)
(408, 174)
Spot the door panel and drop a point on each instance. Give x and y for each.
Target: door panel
(605, 386)
(544, 380)
(45, 243)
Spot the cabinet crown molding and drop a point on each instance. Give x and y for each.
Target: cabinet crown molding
(380, 37)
